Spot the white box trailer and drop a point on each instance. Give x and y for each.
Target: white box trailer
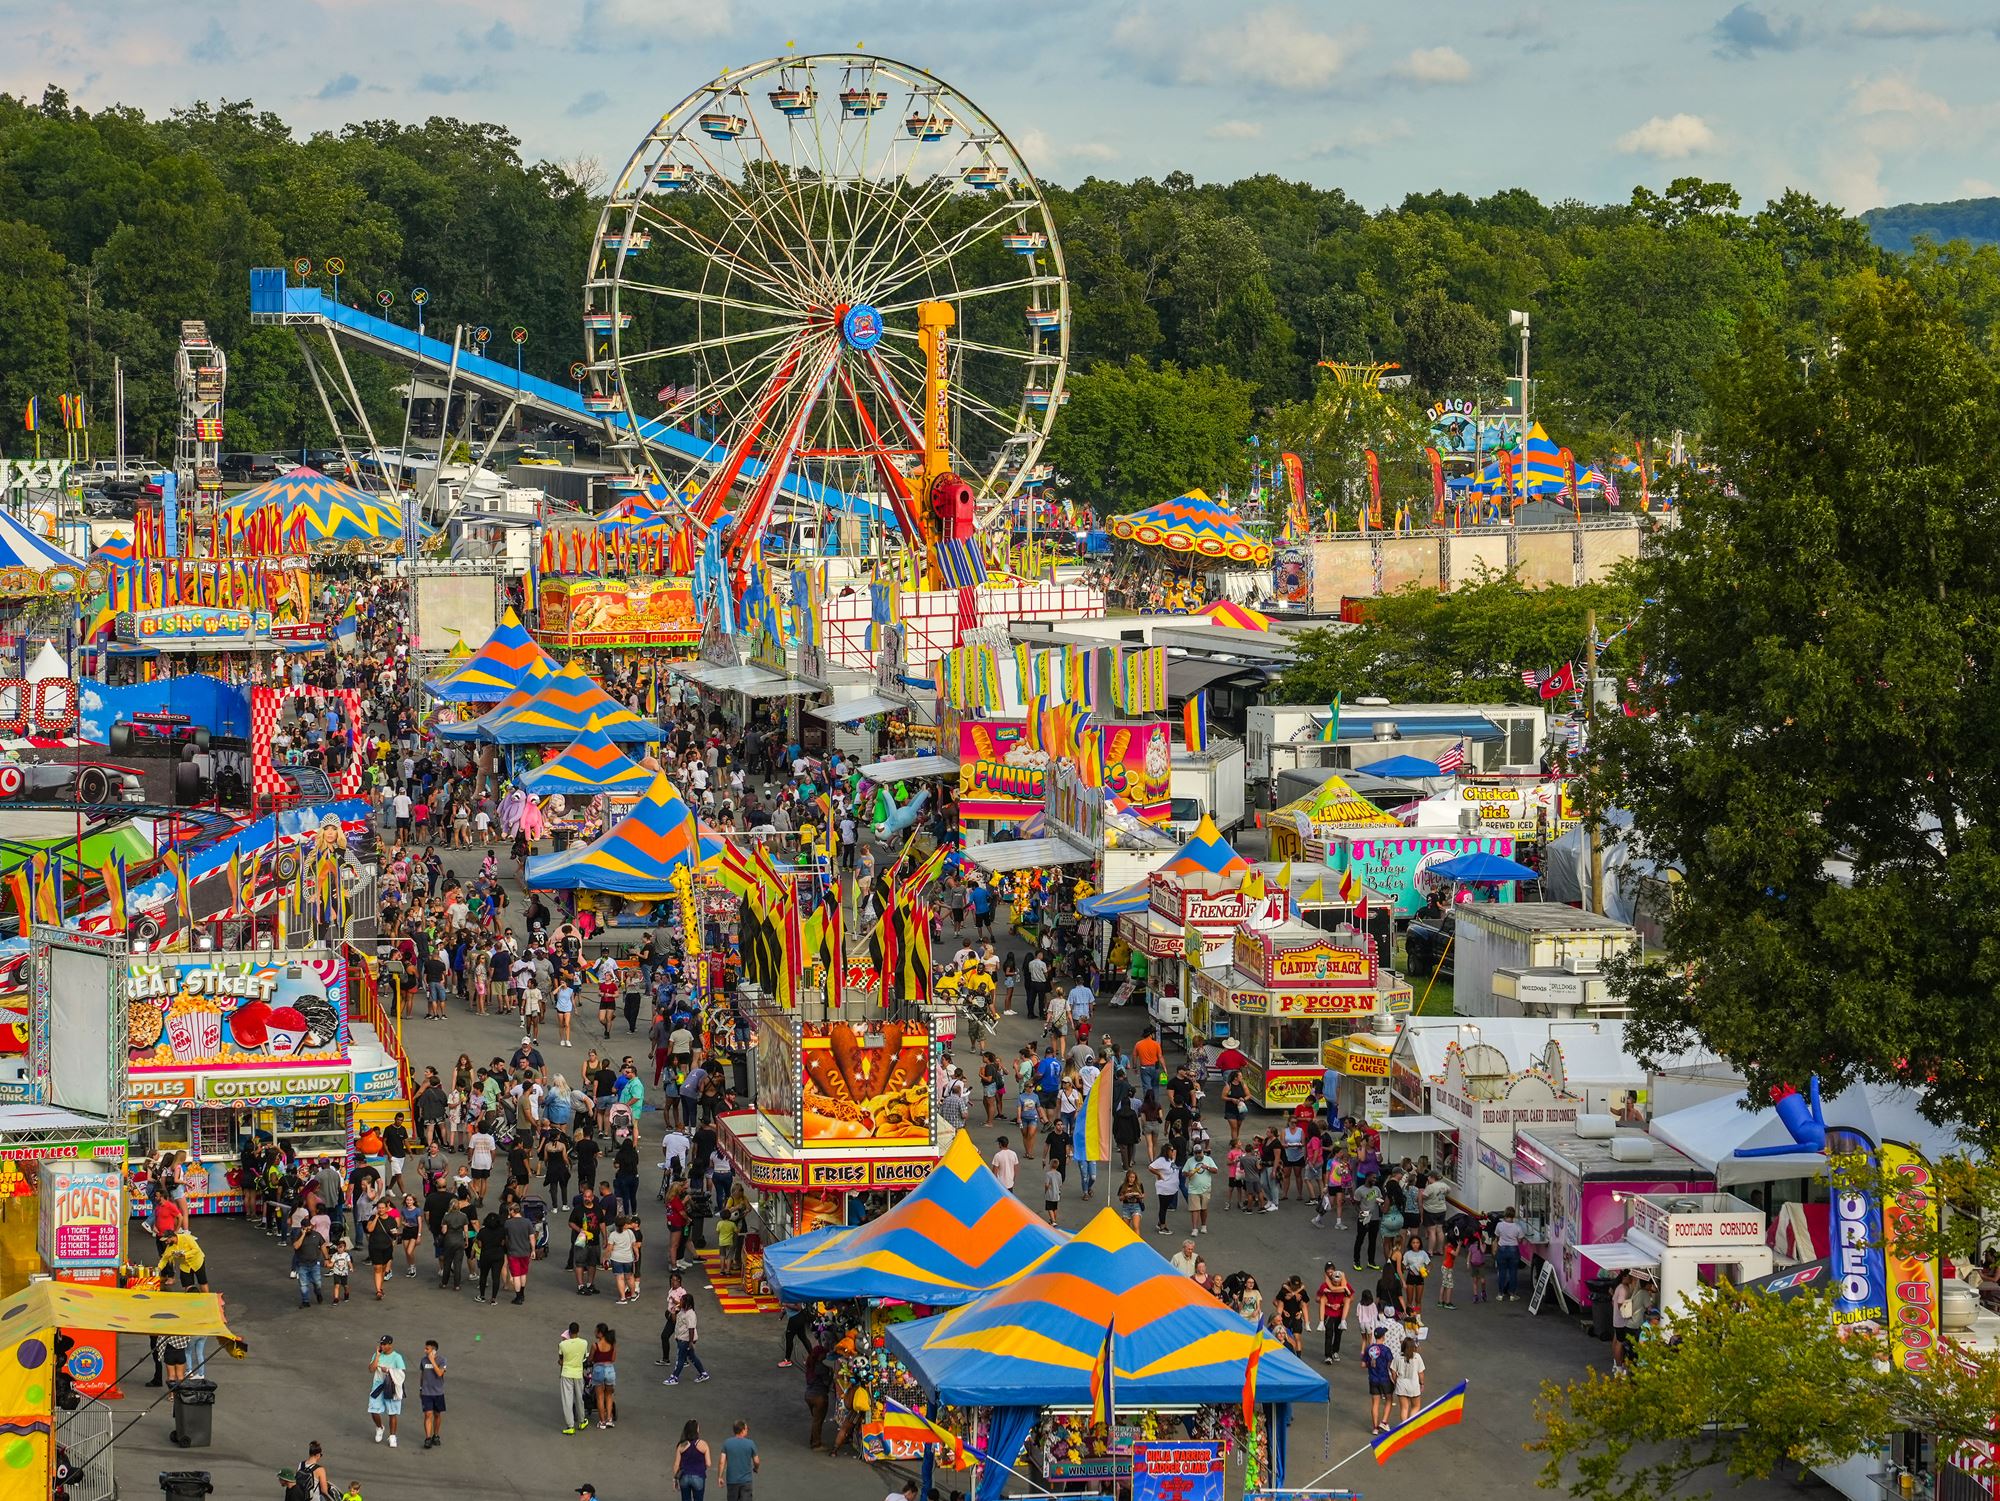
(1208, 782)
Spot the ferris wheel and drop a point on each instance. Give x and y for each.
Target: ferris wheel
(751, 308)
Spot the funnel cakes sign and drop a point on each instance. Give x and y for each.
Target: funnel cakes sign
(247, 1011)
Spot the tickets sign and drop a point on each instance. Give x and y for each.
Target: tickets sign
(82, 1216)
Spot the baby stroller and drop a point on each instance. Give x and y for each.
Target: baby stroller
(536, 1212)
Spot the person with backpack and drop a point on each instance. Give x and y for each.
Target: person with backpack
(310, 1482)
(309, 1263)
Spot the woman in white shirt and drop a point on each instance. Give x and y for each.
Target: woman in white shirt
(1407, 1371)
(1416, 1271)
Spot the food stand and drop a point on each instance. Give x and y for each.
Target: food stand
(226, 1045)
(1300, 829)
(1574, 1186)
(1391, 860)
(629, 617)
(845, 1110)
(1290, 998)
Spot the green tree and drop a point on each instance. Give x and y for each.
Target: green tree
(34, 328)
(1132, 434)
(1746, 1385)
(1468, 646)
(1822, 765)
(1446, 345)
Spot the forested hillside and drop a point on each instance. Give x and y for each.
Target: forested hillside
(113, 227)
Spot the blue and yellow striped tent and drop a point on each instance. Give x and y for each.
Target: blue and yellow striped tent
(560, 712)
(592, 764)
(333, 512)
(1035, 1341)
(637, 856)
(1207, 853)
(1196, 524)
(472, 729)
(1538, 470)
(509, 659)
(1134, 898)
(957, 1235)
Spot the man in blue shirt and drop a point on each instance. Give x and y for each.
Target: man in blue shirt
(1081, 999)
(980, 899)
(1048, 1076)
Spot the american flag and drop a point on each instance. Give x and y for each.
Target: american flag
(1533, 679)
(1452, 760)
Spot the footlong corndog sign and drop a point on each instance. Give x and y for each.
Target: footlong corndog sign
(866, 1084)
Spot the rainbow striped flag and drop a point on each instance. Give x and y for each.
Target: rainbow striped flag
(1443, 1413)
(1093, 1125)
(1194, 722)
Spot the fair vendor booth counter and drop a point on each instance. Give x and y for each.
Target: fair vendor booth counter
(1290, 999)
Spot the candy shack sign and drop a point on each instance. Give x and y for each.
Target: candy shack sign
(1299, 957)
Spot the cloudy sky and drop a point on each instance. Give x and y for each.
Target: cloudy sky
(1860, 102)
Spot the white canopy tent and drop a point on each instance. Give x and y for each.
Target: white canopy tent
(1713, 1131)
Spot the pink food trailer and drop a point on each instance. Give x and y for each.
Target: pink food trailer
(1572, 1185)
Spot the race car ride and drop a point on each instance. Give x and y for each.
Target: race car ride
(157, 733)
(91, 783)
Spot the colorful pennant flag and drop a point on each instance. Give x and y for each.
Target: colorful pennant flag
(1194, 722)
(1093, 1138)
(1446, 1412)
(1329, 732)
(900, 1422)
(1103, 1398)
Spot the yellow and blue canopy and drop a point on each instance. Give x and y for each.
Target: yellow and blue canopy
(637, 856)
(1193, 523)
(1035, 1341)
(1538, 470)
(1134, 898)
(1207, 853)
(560, 711)
(333, 512)
(510, 659)
(592, 764)
(958, 1234)
(473, 729)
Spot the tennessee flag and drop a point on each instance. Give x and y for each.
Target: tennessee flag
(1093, 1141)
(900, 1422)
(1443, 1413)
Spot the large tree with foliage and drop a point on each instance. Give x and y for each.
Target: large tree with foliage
(1133, 434)
(1821, 761)
(1469, 646)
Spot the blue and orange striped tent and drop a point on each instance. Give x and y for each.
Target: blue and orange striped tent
(1193, 523)
(958, 1234)
(560, 712)
(333, 512)
(116, 548)
(1207, 853)
(1035, 1341)
(591, 764)
(509, 659)
(637, 856)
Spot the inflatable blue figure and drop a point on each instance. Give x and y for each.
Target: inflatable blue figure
(904, 816)
(1806, 1121)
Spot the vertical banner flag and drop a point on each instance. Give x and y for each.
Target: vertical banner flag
(1437, 486)
(1859, 1275)
(1194, 722)
(1374, 488)
(1330, 731)
(1912, 1279)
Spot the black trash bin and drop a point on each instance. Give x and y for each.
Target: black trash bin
(185, 1485)
(1601, 1288)
(194, 1413)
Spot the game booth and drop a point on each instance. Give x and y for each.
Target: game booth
(1015, 1365)
(954, 1236)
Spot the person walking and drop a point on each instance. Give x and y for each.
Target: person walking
(309, 1263)
(739, 1462)
(572, 1353)
(1367, 1224)
(430, 1393)
(1407, 1371)
(604, 1375)
(686, 1335)
(1507, 1256)
(691, 1463)
(385, 1389)
(1336, 1296)
(1166, 1187)
(492, 1258)
(519, 1240)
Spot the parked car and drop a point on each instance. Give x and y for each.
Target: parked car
(1428, 947)
(252, 468)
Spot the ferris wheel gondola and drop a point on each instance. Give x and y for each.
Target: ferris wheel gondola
(790, 236)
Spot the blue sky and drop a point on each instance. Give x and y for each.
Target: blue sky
(1859, 102)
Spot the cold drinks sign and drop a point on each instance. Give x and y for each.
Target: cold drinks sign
(83, 1217)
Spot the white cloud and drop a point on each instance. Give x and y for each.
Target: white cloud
(1359, 140)
(1854, 179)
(1276, 47)
(1042, 153)
(1235, 130)
(1891, 23)
(1435, 65)
(1896, 94)
(622, 25)
(1668, 138)
(1978, 187)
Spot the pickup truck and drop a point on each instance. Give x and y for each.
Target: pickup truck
(1428, 947)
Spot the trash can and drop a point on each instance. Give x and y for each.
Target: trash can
(194, 1413)
(185, 1485)
(1601, 1287)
